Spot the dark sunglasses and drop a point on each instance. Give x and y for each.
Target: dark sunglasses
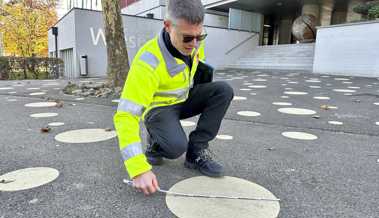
(199, 38)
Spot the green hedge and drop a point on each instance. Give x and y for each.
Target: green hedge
(14, 68)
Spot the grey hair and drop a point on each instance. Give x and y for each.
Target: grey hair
(191, 11)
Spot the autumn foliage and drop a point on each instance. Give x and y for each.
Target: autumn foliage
(24, 25)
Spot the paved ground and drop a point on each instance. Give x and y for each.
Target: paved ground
(333, 176)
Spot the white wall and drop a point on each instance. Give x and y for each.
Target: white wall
(141, 6)
(348, 49)
(216, 20)
(89, 39)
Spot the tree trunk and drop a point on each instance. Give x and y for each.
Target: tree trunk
(118, 64)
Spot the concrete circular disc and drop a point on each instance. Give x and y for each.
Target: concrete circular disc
(28, 178)
(245, 89)
(299, 135)
(239, 98)
(322, 98)
(332, 107)
(348, 94)
(284, 96)
(12, 100)
(6, 88)
(347, 82)
(293, 82)
(248, 113)
(341, 79)
(335, 122)
(79, 99)
(37, 93)
(312, 81)
(296, 111)
(377, 123)
(224, 137)
(282, 103)
(344, 90)
(296, 93)
(12, 93)
(85, 136)
(55, 124)
(288, 88)
(376, 103)
(315, 87)
(186, 123)
(116, 101)
(190, 207)
(33, 88)
(353, 87)
(43, 115)
(260, 80)
(41, 104)
(257, 86)
(253, 93)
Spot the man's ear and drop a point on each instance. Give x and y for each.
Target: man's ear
(167, 25)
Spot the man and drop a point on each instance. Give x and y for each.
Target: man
(160, 91)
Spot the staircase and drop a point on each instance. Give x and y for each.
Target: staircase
(278, 57)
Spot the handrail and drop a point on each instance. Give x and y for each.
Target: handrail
(241, 43)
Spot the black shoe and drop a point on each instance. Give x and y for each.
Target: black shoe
(153, 156)
(203, 162)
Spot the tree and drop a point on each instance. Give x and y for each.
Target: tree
(117, 55)
(25, 24)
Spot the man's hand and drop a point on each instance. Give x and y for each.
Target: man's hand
(146, 182)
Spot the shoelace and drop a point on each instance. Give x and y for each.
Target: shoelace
(205, 155)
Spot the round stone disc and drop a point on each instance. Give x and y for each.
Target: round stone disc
(44, 115)
(224, 137)
(296, 111)
(295, 93)
(335, 122)
(186, 123)
(282, 103)
(239, 98)
(28, 178)
(55, 124)
(257, 86)
(321, 98)
(344, 90)
(37, 93)
(41, 104)
(248, 113)
(191, 207)
(85, 136)
(299, 135)
(6, 88)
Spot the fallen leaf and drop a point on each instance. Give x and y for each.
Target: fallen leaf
(325, 107)
(108, 129)
(316, 117)
(45, 129)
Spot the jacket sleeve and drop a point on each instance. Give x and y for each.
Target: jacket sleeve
(138, 92)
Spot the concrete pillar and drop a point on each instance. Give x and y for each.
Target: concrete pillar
(326, 12)
(312, 7)
(351, 15)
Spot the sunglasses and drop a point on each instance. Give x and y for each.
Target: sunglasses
(199, 38)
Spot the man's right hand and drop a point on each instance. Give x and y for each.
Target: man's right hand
(146, 182)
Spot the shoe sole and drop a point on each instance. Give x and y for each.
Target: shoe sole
(193, 166)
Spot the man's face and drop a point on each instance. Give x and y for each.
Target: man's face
(180, 32)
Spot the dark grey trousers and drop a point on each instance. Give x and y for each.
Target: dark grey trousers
(210, 100)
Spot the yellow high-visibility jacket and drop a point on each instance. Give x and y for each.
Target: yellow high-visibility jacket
(155, 79)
